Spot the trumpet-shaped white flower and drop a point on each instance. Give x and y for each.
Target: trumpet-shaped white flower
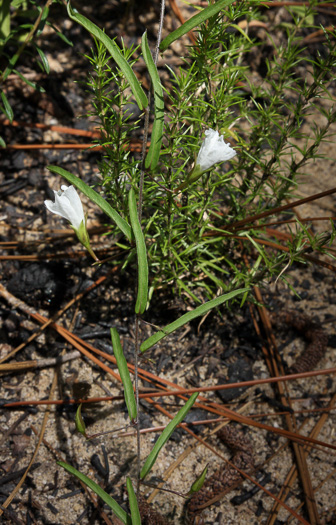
(68, 205)
(213, 150)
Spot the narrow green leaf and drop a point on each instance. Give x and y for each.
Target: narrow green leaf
(96, 198)
(64, 38)
(80, 425)
(118, 511)
(142, 296)
(115, 52)
(45, 13)
(5, 19)
(166, 435)
(44, 59)
(186, 318)
(157, 131)
(238, 28)
(124, 374)
(59, 34)
(153, 154)
(7, 107)
(28, 82)
(2, 143)
(198, 484)
(44, 17)
(18, 3)
(135, 514)
(194, 21)
(184, 287)
(301, 12)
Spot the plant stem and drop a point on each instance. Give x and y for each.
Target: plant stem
(136, 385)
(145, 136)
(141, 184)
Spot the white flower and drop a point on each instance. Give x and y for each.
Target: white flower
(68, 205)
(213, 150)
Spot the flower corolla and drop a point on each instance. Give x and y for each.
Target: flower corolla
(213, 150)
(68, 205)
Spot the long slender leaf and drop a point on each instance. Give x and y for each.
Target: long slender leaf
(7, 107)
(59, 34)
(194, 21)
(166, 435)
(45, 14)
(96, 198)
(124, 374)
(5, 19)
(44, 60)
(38, 88)
(142, 296)
(135, 514)
(118, 511)
(157, 131)
(115, 52)
(186, 318)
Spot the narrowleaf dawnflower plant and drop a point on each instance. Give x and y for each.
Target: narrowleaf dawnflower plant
(212, 151)
(69, 206)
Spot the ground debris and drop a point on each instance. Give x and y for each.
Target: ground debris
(313, 333)
(149, 516)
(227, 475)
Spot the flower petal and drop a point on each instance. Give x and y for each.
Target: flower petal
(71, 194)
(68, 205)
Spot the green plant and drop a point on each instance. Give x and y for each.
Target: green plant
(21, 23)
(193, 227)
